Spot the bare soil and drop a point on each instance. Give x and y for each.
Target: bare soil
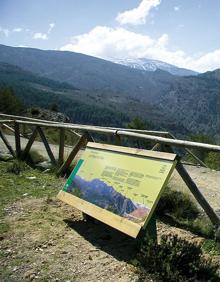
(50, 241)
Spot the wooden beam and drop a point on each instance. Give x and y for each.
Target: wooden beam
(195, 191)
(117, 139)
(7, 144)
(6, 121)
(172, 142)
(190, 152)
(197, 194)
(151, 132)
(47, 146)
(75, 133)
(133, 151)
(89, 137)
(61, 146)
(17, 139)
(72, 155)
(156, 147)
(29, 144)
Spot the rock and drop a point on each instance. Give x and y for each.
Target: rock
(31, 177)
(46, 114)
(5, 157)
(44, 165)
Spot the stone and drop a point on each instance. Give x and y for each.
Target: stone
(5, 157)
(44, 165)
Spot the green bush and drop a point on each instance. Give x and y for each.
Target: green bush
(177, 204)
(16, 167)
(34, 157)
(175, 259)
(213, 160)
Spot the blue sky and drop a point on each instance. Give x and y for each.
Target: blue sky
(181, 32)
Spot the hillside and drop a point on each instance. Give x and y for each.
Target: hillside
(34, 90)
(183, 105)
(88, 73)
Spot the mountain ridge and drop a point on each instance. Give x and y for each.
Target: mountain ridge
(153, 65)
(183, 105)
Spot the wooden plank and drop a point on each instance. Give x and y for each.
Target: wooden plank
(117, 139)
(72, 155)
(197, 194)
(133, 151)
(89, 137)
(17, 139)
(152, 132)
(195, 191)
(29, 144)
(61, 146)
(124, 225)
(6, 121)
(47, 146)
(156, 147)
(190, 153)
(7, 144)
(171, 141)
(75, 133)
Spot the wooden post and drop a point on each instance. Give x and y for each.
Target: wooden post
(149, 233)
(195, 191)
(89, 137)
(47, 146)
(197, 194)
(109, 141)
(17, 139)
(29, 144)
(72, 155)
(61, 146)
(7, 144)
(190, 152)
(156, 147)
(117, 139)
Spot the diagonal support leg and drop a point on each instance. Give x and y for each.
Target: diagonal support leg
(17, 139)
(29, 144)
(197, 194)
(7, 144)
(72, 155)
(195, 191)
(47, 146)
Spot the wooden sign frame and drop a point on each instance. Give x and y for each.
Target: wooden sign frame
(118, 222)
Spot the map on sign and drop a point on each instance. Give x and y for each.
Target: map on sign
(125, 184)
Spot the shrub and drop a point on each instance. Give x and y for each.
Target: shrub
(176, 259)
(17, 167)
(213, 160)
(34, 157)
(35, 111)
(177, 204)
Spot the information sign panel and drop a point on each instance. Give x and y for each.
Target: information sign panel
(117, 185)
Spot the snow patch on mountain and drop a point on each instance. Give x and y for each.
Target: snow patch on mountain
(153, 65)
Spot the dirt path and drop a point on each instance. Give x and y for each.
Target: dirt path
(50, 241)
(37, 145)
(207, 180)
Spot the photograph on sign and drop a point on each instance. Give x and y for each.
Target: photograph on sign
(127, 185)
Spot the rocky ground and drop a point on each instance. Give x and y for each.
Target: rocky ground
(50, 241)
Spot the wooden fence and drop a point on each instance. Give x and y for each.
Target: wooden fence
(161, 140)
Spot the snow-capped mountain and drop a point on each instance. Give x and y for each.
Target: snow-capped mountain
(152, 65)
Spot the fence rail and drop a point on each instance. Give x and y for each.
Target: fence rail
(161, 139)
